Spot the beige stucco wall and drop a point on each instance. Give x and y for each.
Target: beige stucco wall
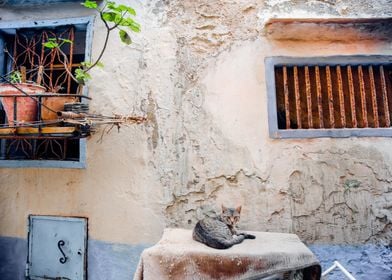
(197, 71)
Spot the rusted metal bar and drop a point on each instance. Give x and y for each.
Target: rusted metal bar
(14, 60)
(286, 97)
(330, 97)
(352, 97)
(71, 49)
(48, 95)
(308, 97)
(21, 137)
(374, 97)
(52, 58)
(41, 58)
(385, 97)
(341, 96)
(319, 97)
(31, 55)
(297, 97)
(363, 96)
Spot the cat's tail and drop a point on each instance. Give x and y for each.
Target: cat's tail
(248, 236)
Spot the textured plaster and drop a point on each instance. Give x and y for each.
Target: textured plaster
(197, 71)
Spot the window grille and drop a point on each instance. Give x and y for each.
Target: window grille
(27, 50)
(330, 96)
(24, 47)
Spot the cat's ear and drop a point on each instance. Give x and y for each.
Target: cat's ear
(224, 209)
(238, 209)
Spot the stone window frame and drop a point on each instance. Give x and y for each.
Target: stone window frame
(88, 22)
(276, 133)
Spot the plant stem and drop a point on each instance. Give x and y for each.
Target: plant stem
(66, 63)
(104, 45)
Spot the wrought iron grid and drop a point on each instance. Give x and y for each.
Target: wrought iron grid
(46, 67)
(43, 65)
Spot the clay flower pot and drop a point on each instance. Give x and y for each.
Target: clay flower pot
(26, 106)
(56, 104)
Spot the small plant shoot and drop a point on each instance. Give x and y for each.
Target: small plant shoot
(15, 77)
(115, 17)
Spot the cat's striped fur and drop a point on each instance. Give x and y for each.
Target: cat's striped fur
(220, 233)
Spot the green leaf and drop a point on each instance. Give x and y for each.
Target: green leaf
(100, 64)
(109, 16)
(81, 76)
(90, 4)
(51, 44)
(66, 41)
(111, 5)
(130, 23)
(123, 8)
(86, 64)
(125, 37)
(134, 26)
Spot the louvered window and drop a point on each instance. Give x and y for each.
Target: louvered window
(329, 97)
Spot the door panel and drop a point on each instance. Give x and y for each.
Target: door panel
(57, 247)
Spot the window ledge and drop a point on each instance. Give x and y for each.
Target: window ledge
(330, 133)
(329, 29)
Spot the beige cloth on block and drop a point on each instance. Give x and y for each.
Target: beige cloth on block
(178, 256)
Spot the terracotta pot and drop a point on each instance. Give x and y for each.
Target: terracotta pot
(56, 104)
(26, 106)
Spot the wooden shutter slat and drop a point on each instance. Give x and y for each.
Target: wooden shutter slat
(308, 97)
(319, 97)
(352, 97)
(330, 98)
(363, 97)
(385, 97)
(286, 97)
(341, 96)
(297, 97)
(374, 97)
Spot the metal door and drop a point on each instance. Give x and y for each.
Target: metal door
(57, 248)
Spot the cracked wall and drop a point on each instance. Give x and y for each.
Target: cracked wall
(197, 71)
(286, 185)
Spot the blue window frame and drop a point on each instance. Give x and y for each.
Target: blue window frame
(83, 25)
(336, 96)
(33, 2)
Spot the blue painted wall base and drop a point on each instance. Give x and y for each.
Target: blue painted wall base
(107, 261)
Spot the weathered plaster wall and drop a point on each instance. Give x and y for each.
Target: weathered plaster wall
(286, 185)
(197, 72)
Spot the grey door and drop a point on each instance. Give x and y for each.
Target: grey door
(57, 248)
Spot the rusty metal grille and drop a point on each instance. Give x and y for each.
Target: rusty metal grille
(45, 67)
(333, 96)
(27, 50)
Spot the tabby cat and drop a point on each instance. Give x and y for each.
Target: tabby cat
(220, 232)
